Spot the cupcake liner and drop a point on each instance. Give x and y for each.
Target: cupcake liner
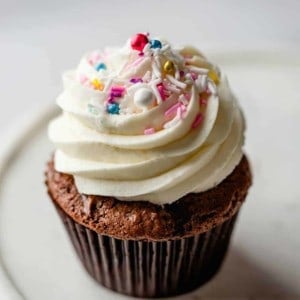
(150, 268)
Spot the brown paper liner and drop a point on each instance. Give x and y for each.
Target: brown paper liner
(149, 268)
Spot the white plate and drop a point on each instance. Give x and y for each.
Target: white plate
(38, 261)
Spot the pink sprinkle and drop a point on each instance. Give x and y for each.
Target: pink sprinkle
(207, 91)
(161, 90)
(194, 75)
(116, 94)
(82, 78)
(117, 89)
(197, 120)
(95, 56)
(149, 131)
(134, 63)
(187, 96)
(181, 111)
(172, 110)
(203, 101)
(136, 80)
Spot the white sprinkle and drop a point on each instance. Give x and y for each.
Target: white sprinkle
(177, 74)
(165, 47)
(178, 83)
(146, 48)
(204, 80)
(156, 93)
(198, 70)
(147, 76)
(183, 100)
(157, 61)
(212, 87)
(156, 81)
(134, 87)
(173, 88)
(201, 83)
(107, 85)
(156, 70)
(173, 122)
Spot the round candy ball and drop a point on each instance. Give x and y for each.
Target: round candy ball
(113, 108)
(144, 98)
(154, 44)
(169, 67)
(139, 41)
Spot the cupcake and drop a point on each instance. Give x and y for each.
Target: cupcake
(149, 173)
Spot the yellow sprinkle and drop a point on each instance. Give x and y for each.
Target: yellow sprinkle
(169, 67)
(213, 76)
(98, 85)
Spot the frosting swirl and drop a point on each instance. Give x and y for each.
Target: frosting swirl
(147, 122)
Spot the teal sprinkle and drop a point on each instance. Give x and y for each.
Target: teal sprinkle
(154, 44)
(92, 109)
(100, 66)
(113, 108)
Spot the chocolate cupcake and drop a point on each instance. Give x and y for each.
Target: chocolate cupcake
(149, 173)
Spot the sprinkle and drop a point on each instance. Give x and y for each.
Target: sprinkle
(181, 111)
(98, 85)
(156, 93)
(154, 44)
(173, 88)
(92, 109)
(100, 66)
(203, 101)
(107, 85)
(165, 48)
(172, 110)
(197, 120)
(160, 88)
(139, 41)
(82, 78)
(117, 88)
(146, 48)
(183, 100)
(198, 70)
(180, 84)
(194, 75)
(156, 70)
(201, 83)
(136, 80)
(173, 122)
(144, 98)
(95, 56)
(149, 131)
(213, 76)
(169, 67)
(157, 61)
(113, 108)
(212, 88)
(147, 76)
(116, 94)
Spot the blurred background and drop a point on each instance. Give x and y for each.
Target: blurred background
(256, 42)
(40, 39)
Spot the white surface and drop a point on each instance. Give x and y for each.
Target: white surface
(264, 259)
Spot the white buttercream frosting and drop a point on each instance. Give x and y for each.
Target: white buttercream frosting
(151, 124)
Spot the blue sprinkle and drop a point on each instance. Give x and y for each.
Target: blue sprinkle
(100, 66)
(113, 108)
(155, 44)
